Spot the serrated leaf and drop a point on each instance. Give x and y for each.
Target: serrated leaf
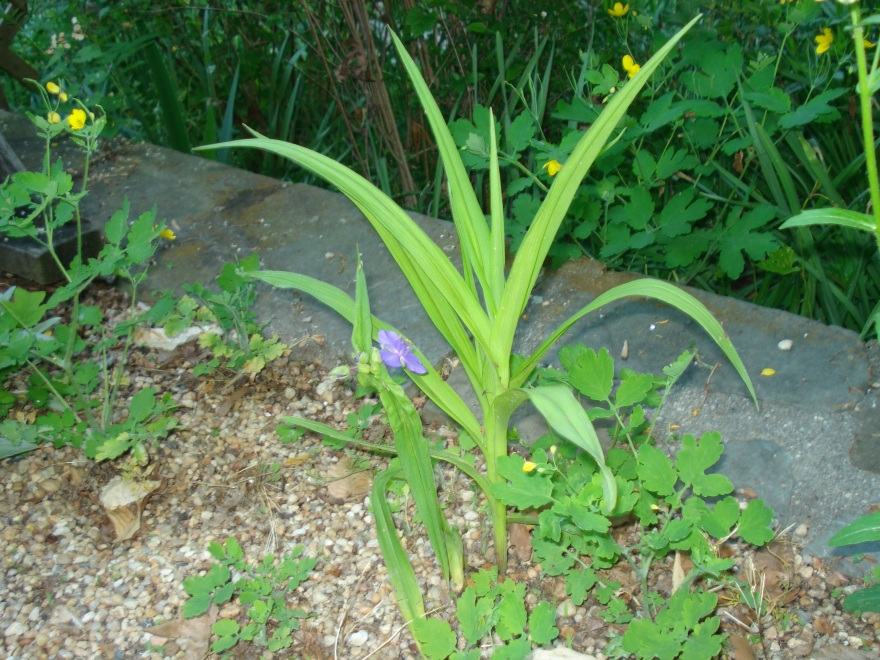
(551, 556)
(526, 489)
(684, 250)
(694, 459)
(646, 640)
(655, 471)
(578, 584)
(754, 523)
(197, 604)
(681, 212)
(586, 520)
(719, 520)
(473, 615)
(511, 617)
(549, 525)
(637, 212)
(435, 637)
(633, 390)
(674, 160)
(744, 234)
(590, 373)
(520, 133)
(774, 100)
(816, 109)
(225, 627)
(542, 630)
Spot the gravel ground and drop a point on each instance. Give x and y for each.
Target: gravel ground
(68, 589)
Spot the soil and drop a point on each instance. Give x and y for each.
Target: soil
(69, 589)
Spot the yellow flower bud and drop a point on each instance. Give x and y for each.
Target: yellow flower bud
(552, 167)
(528, 466)
(52, 88)
(167, 234)
(53, 117)
(63, 96)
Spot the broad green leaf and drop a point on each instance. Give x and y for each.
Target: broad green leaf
(774, 100)
(542, 630)
(647, 640)
(579, 583)
(681, 212)
(197, 604)
(754, 524)
(816, 109)
(511, 617)
(225, 627)
(633, 390)
(695, 458)
(655, 470)
(473, 614)
(719, 520)
(553, 558)
(24, 306)
(435, 637)
(586, 520)
(863, 530)
(750, 234)
(142, 404)
(864, 600)
(520, 133)
(526, 489)
(591, 373)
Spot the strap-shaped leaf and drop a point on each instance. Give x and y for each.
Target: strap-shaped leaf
(400, 570)
(649, 288)
(473, 234)
(842, 217)
(425, 265)
(537, 241)
(336, 299)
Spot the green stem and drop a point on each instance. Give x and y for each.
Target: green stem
(867, 125)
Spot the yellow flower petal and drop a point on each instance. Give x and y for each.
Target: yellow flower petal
(868, 44)
(630, 66)
(77, 119)
(552, 167)
(768, 372)
(619, 10)
(52, 88)
(167, 234)
(528, 466)
(824, 41)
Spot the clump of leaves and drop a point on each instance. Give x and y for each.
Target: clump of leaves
(678, 505)
(864, 530)
(265, 588)
(491, 609)
(237, 343)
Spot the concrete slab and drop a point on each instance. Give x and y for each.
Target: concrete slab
(811, 450)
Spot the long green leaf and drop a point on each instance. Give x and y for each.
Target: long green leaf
(842, 217)
(566, 416)
(425, 265)
(863, 530)
(536, 244)
(172, 112)
(400, 570)
(469, 222)
(659, 290)
(431, 383)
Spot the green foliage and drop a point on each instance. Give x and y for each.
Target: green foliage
(264, 588)
(75, 369)
(488, 609)
(236, 341)
(863, 530)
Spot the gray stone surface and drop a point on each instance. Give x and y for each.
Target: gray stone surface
(812, 450)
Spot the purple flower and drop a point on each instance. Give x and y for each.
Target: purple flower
(397, 352)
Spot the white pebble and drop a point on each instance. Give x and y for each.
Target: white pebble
(785, 345)
(358, 638)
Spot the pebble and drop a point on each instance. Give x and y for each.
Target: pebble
(358, 638)
(785, 345)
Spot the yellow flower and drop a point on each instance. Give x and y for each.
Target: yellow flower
(53, 117)
(52, 88)
(824, 40)
(528, 466)
(552, 167)
(630, 66)
(768, 372)
(167, 234)
(619, 10)
(77, 118)
(63, 96)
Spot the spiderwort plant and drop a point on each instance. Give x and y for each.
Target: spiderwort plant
(477, 310)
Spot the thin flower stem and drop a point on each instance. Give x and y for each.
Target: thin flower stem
(867, 124)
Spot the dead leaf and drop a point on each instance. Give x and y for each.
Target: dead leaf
(742, 650)
(194, 635)
(299, 459)
(822, 625)
(346, 485)
(520, 538)
(678, 573)
(224, 408)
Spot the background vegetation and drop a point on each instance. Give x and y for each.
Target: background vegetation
(746, 127)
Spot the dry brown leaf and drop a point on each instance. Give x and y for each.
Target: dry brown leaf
(345, 484)
(678, 573)
(520, 538)
(194, 635)
(224, 408)
(742, 650)
(299, 459)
